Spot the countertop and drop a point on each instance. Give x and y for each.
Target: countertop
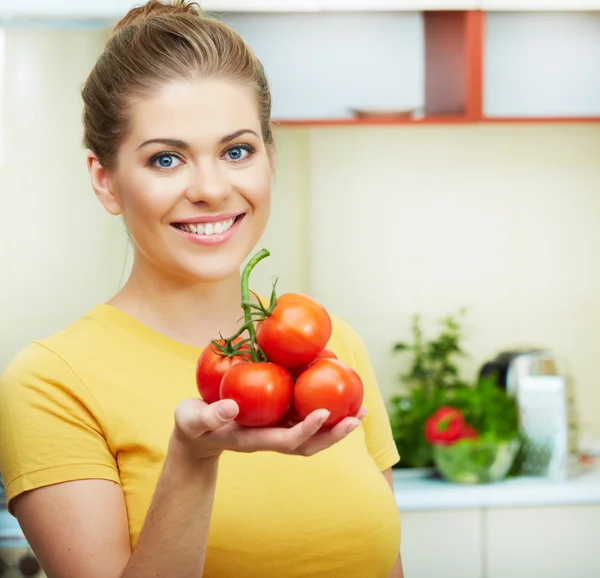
(422, 494)
(429, 494)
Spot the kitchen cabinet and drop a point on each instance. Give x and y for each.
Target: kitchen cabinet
(260, 5)
(541, 65)
(524, 542)
(337, 5)
(442, 543)
(355, 62)
(392, 66)
(553, 542)
(411, 66)
(524, 527)
(527, 5)
(401, 5)
(112, 9)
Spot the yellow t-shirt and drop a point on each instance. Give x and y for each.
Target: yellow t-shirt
(96, 400)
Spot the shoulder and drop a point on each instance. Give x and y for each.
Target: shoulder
(346, 342)
(44, 365)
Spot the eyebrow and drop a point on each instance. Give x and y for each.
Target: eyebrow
(183, 145)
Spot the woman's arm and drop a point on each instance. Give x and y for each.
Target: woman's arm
(397, 570)
(80, 528)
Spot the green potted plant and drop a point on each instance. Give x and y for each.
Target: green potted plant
(432, 372)
(475, 436)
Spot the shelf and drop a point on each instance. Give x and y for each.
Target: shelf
(383, 120)
(421, 494)
(541, 119)
(432, 120)
(326, 58)
(496, 67)
(397, 60)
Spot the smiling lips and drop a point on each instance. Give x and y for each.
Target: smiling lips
(209, 232)
(215, 228)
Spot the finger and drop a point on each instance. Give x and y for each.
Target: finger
(310, 425)
(278, 439)
(194, 417)
(362, 413)
(326, 439)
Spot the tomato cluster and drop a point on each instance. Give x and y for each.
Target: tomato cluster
(283, 371)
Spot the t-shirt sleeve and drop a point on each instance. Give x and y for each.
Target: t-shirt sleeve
(378, 431)
(51, 428)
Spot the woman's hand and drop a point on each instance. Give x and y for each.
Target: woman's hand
(205, 431)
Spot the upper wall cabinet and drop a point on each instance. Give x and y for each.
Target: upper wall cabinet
(111, 9)
(336, 67)
(542, 65)
(336, 5)
(539, 5)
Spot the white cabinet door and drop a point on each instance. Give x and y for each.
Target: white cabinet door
(375, 62)
(442, 543)
(260, 5)
(337, 5)
(542, 64)
(403, 5)
(65, 9)
(111, 9)
(541, 5)
(116, 8)
(554, 542)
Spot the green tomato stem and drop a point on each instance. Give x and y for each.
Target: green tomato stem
(246, 306)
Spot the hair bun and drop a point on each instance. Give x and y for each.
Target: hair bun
(159, 9)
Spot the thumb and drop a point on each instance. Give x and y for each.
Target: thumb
(194, 417)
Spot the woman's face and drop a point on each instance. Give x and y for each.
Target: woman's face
(193, 179)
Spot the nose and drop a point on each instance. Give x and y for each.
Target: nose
(209, 184)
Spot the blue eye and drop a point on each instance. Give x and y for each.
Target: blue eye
(166, 161)
(239, 152)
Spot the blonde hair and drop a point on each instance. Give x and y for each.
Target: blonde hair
(157, 43)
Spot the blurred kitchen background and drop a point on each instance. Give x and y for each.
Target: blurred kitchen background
(431, 155)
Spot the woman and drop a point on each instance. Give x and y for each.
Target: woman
(104, 482)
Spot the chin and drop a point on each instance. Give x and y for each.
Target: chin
(221, 266)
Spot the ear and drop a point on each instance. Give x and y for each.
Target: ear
(102, 185)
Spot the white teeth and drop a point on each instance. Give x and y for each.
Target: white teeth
(208, 228)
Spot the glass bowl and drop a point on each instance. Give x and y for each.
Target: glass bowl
(478, 461)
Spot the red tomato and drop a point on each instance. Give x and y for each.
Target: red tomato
(263, 392)
(296, 331)
(211, 367)
(330, 384)
(296, 371)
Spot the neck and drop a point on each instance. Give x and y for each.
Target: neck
(192, 313)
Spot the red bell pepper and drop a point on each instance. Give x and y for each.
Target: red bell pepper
(445, 426)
